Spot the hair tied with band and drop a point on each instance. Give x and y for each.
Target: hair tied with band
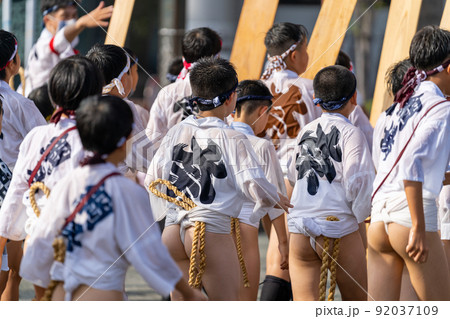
(117, 82)
(412, 80)
(215, 102)
(276, 62)
(334, 105)
(12, 56)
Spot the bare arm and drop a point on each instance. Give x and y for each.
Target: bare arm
(93, 19)
(417, 248)
(447, 178)
(189, 294)
(280, 229)
(2, 247)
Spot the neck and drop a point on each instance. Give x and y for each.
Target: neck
(247, 120)
(219, 113)
(440, 82)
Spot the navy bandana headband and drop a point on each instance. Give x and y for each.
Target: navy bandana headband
(254, 97)
(215, 102)
(56, 7)
(334, 105)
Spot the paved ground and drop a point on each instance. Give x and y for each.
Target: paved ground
(137, 289)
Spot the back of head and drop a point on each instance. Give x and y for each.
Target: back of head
(110, 59)
(333, 87)
(42, 101)
(212, 79)
(7, 48)
(430, 47)
(199, 43)
(72, 80)
(251, 95)
(395, 75)
(56, 4)
(175, 67)
(104, 123)
(281, 36)
(344, 60)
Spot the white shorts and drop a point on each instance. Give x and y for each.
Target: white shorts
(444, 212)
(396, 210)
(244, 215)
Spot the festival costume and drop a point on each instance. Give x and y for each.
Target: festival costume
(333, 175)
(44, 56)
(268, 160)
(16, 215)
(20, 117)
(444, 212)
(216, 167)
(102, 231)
(424, 159)
(5, 180)
(359, 119)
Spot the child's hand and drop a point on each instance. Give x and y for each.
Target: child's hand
(417, 248)
(284, 252)
(96, 17)
(284, 203)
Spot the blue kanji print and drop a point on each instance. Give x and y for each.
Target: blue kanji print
(388, 140)
(95, 210)
(191, 171)
(59, 153)
(413, 106)
(5, 180)
(315, 157)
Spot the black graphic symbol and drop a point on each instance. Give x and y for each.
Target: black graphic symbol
(187, 108)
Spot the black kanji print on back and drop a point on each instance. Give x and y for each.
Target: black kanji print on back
(59, 153)
(5, 180)
(186, 107)
(315, 154)
(191, 171)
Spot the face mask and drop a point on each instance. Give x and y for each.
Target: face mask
(65, 23)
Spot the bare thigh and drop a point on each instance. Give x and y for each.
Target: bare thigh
(385, 266)
(446, 244)
(86, 293)
(11, 291)
(431, 280)
(250, 252)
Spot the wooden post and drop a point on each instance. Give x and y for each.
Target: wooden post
(328, 35)
(445, 20)
(120, 20)
(248, 50)
(400, 29)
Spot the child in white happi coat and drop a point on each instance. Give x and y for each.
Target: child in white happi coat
(88, 209)
(58, 38)
(20, 116)
(252, 111)
(411, 162)
(217, 168)
(50, 151)
(332, 173)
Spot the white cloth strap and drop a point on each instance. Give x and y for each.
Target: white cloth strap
(277, 63)
(117, 82)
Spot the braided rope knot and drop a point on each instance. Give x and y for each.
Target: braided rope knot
(333, 268)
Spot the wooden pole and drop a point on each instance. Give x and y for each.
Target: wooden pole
(400, 29)
(328, 35)
(248, 50)
(445, 20)
(119, 23)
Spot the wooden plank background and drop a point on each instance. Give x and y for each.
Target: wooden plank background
(119, 23)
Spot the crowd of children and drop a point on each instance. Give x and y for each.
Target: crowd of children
(296, 156)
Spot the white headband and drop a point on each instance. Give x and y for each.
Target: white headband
(276, 62)
(12, 57)
(117, 82)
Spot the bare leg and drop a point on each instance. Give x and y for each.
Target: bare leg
(304, 268)
(11, 291)
(407, 292)
(447, 251)
(431, 280)
(250, 251)
(385, 266)
(273, 258)
(363, 232)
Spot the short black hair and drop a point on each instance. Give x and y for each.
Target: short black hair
(255, 88)
(175, 66)
(102, 121)
(282, 35)
(199, 43)
(334, 83)
(395, 75)
(344, 60)
(72, 80)
(47, 4)
(211, 77)
(110, 59)
(133, 56)
(41, 99)
(7, 47)
(430, 47)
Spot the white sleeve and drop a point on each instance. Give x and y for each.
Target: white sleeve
(358, 174)
(59, 42)
(138, 236)
(360, 120)
(157, 123)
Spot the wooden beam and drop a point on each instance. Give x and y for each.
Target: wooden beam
(119, 23)
(248, 50)
(328, 35)
(400, 29)
(445, 20)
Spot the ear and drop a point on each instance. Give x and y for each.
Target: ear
(353, 99)
(262, 110)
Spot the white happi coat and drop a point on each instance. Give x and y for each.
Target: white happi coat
(16, 216)
(332, 174)
(20, 117)
(215, 166)
(44, 55)
(269, 162)
(359, 119)
(425, 158)
(111, 229)
(292, 109)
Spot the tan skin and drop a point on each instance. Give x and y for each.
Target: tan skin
(420, 251)
(257, 120)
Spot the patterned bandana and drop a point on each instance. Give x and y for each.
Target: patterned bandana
(276, 62)
(117, 82)
(215, 102)
(334, 105)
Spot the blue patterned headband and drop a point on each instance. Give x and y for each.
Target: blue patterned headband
(56, 7)
(334, 105)
(254, 98)
(215, 102)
